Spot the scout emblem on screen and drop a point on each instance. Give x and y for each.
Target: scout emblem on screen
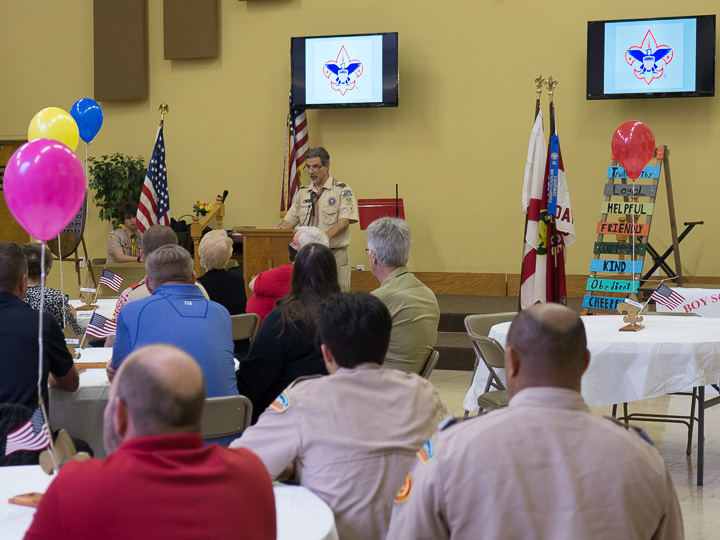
(649, 59)
(342, 71)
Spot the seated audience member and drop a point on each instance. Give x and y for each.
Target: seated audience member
(286, 346)
(159, 480)
(269, 286)
(226, 287)
(413, 307)
(351, 436)
(124, 243)
(155, 237)
(178, 314)
(19, 339)
(544, 467)
(54, 303)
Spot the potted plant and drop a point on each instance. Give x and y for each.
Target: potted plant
(116, 179)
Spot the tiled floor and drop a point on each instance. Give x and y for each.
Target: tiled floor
(700, 505)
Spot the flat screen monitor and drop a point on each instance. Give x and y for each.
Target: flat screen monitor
(651, 58)
(358, 70)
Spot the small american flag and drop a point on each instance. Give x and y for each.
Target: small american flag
(32, 435)
(100, 327)
(667, 297)
(111, 279)
(295, 149)
(155, 200)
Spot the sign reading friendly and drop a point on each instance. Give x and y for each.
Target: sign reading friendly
(631, 229)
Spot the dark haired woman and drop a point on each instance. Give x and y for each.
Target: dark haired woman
(286, 346)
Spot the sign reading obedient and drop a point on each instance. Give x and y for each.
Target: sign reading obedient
(612, 285)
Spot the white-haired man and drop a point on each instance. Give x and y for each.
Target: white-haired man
(413, 306)
(269, 286)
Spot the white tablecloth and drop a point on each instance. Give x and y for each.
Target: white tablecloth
(106, 307)
(671, 354)
(301, 515)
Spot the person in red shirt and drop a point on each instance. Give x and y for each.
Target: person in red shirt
(269, 286)
(160, 480)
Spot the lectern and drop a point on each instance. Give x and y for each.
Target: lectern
(264, 249)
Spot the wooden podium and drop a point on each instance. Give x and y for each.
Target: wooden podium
(263, 249)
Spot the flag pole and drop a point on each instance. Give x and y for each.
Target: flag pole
(539, 82)
(551, 84)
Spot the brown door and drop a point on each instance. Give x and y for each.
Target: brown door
(9, 228)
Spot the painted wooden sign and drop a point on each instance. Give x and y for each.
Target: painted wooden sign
(619, 248)
(612, 285)
(616, 171)
(601, 302)
(632, 229)
(615, 266)
(635, 208)
(630, 190)
(659, 153)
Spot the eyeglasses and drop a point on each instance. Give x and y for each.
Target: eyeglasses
(314, 168)
(368, 250)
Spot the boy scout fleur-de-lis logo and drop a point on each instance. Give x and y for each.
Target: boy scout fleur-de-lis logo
(342, 71)
(649, 59)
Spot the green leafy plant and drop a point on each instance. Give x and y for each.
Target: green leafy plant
(116, 179)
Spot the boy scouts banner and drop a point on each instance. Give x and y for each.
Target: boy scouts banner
(543, 269)
(704, 302)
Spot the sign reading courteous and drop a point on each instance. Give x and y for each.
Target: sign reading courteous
(619, 248)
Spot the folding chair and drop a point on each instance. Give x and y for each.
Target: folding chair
(430, 364)
(244, 326)
(225, 418)
(492, 354)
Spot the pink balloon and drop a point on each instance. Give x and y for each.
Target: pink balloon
(44, 187)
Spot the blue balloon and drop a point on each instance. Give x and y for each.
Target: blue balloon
(89, 117)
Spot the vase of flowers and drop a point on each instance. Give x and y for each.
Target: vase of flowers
(201, 208)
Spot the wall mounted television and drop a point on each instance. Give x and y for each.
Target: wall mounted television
(359, 70)
(651, 58)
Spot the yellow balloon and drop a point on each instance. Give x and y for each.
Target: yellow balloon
(57, 124)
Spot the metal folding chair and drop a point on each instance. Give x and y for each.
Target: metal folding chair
(430, 364)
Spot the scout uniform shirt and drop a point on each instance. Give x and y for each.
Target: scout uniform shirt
(336, 201)
(543, 467)
(120, 240)
(354, 435)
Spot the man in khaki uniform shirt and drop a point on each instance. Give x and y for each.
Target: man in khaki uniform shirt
(413, 306)
(544, 467)
(328, 205)
(353, 434)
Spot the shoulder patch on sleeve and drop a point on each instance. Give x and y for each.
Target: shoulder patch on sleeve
(346, 193)
(428, 451)
(341, 184)
(281, 403)
(404, 493)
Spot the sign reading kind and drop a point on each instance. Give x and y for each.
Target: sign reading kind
(617, 267)
(644, 209)
(631, 229)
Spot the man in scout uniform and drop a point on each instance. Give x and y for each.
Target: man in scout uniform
(125, 242)
(350, 437)
(326, 204)
(545, 466)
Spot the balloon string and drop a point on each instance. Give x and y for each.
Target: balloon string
(40, 318)
(62, 290)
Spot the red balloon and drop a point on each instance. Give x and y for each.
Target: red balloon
(633, 146)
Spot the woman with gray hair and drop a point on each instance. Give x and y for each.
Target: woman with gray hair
(226, 287)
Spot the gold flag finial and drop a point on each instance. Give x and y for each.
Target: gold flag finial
(539, 82)
(551, 84)
(163, 109)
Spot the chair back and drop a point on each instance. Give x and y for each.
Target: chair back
(244, 326)
(487, 350)
(225, 415)
(430, 364)
(481, 323)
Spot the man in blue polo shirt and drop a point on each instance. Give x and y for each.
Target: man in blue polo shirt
(177, 313)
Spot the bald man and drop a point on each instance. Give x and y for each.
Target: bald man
(544, 467)
(160, 480)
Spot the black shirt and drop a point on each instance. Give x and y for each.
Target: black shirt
(227, 288)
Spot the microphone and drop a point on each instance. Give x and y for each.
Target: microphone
(224, 195)
(312, 206)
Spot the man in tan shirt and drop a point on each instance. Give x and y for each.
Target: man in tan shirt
(329, 205)
(352, 435)
(544, 467)
(413, 306)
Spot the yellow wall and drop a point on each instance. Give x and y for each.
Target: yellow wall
(456, 145)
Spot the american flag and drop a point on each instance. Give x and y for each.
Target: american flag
(100, 327)
(32, 435)
(155, 200)
(665, 296)
(111, 279)
(295, 150)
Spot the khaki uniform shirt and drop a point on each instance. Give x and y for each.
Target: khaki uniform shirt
(544, 467)
(415, 316)
(119, 240)
(334, 203)
(353, 435)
